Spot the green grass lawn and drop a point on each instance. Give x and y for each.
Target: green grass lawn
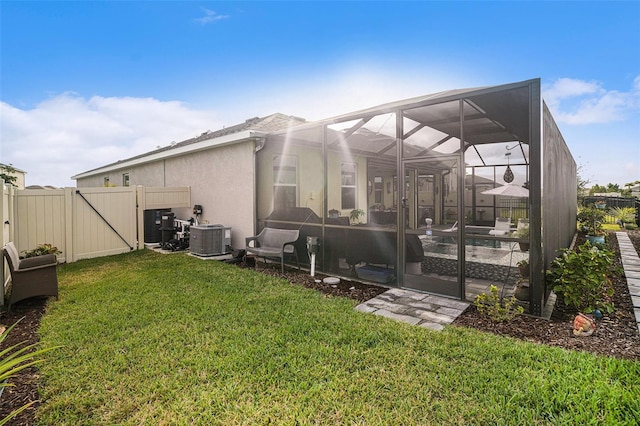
(169, 339)
(611, 227)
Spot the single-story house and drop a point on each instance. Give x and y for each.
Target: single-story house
(424, 193)
(18, 174)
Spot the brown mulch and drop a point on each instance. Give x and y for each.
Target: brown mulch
(616, 334)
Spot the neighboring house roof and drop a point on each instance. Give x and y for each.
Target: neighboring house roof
(4, 166)
(607, 194)
(205, 140)
(41, 187)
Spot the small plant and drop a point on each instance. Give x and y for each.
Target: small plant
(15, 359)
(522, 233)
(600, 204)
(355, 215)
(580, 277)
(624, 215)
(42, 249)
(497, 308)
(523, 267)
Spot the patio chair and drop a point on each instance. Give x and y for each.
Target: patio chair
(502, 226)
(274, 243)
(30, 277)
(453, 228)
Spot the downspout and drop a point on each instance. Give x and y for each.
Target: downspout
(259, 142)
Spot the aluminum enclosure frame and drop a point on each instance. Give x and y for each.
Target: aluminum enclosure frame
(507, 113)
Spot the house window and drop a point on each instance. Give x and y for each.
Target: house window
(106, 181)
(285, 181)
(348, 185)
(377, 189)
(125, 179)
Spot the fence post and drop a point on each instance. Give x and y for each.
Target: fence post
(2, 202)
(69, 206)
(12, 212)
(140, 207)
(4, 219)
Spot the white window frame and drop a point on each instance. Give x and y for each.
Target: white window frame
(348, 169)
(282, 162)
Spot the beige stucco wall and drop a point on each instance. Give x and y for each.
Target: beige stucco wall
(221, 180)
(310, 179)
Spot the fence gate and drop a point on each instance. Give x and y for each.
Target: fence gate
(104, 221)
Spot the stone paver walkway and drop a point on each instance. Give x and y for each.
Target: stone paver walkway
(425, 310)
(631, 265)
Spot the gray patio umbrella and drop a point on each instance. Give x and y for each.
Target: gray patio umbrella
(509, 190)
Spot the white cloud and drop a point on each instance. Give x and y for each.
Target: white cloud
(67, 134)
(210, 16)
(581, 102)
(348, 89)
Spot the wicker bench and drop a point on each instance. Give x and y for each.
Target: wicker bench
(34, 276)
(274, 243)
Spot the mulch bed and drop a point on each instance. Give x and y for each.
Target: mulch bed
(616, 335)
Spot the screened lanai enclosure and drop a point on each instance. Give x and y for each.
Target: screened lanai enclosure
(440, 193)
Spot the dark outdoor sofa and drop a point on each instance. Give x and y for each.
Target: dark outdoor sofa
(376, 246)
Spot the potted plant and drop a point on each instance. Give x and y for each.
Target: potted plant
(40, 250)
(522, 233)
(355, 215)
(333, 213)
(600, 204)
(523, 267)
(522, 284)
(590, 220)
(522, 290)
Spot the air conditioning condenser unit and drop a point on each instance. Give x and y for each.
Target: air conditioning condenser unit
(210, 240)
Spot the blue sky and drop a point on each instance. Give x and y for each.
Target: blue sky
(83, 84)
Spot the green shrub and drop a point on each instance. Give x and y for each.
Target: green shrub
(624, 215)
(497, 308)
(590, 220)
(580, 277)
